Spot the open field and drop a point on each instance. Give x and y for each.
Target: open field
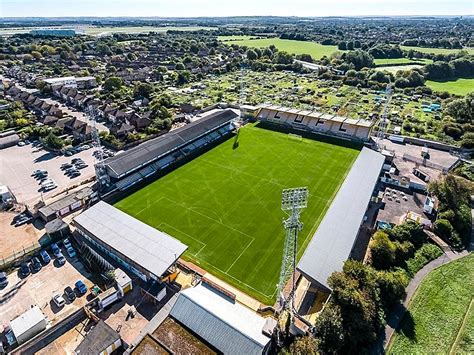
(437, 311)
(459, 86)
(316, 50)
(141, 29)
(436, 50)
(394, 68)
(225, 204)
(401, 61)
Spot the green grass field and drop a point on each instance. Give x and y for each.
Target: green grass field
(316, 50)
(225, 204)
(401, 61)
(459, 86)
(439, 321)
(436, 50)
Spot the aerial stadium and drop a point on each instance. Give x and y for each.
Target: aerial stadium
(216, 186)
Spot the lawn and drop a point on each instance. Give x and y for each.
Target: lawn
(437, 311)
(436, 50)
(401, 61)
(225, 204)
(316, 50)
(459, 86)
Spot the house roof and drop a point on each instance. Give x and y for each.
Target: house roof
(148, 247)
(99, 338)
(227, 325)
(134, 158)
(332, 243)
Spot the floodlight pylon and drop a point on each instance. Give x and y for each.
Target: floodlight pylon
(293, 201)
(383, 124)
(102, 177)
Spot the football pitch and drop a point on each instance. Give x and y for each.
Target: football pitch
(225, 204)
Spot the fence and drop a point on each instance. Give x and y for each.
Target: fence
(424, 162)
(6, 262)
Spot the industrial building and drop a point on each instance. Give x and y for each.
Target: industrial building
(146, 159)
(335, 237)
(139, 248)
(228, 326)
(318, 122)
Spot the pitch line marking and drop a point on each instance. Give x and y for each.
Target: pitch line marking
(186, 234)
(242, 253)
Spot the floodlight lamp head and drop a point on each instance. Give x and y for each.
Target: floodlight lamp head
(294, 198)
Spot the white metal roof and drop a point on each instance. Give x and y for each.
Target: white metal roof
(332, 243)
(26, 321)
(148, 247)
(226, 324)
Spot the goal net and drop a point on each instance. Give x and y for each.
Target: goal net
(295, 137)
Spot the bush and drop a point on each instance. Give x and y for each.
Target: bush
(383, 251)
(444, 229)
(423, 256)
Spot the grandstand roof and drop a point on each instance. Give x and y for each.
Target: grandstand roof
(137, 157)
(224, 323)
(332, 243)
(148, 247)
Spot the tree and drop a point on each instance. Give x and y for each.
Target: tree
(143, 90)
(179, 66)
(183, 77)
(330, 330)
(305, 345)
(342, 46)
(251, 54)
(383, 251)
(36, 55)
(467, 140)
(392, 286)
(283, 57)
(359, 59)
(53, 141)
(443, 228)
(113, 83)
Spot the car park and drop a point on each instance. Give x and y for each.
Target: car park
(59, 300)
(81, 287)
(71, 252)
(4, 280)
(45, 256)
(24, 269)
(55, 249)
(36, 264)
(61, 259)
(70, 294)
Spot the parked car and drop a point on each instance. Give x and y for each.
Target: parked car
(74, 174)
(49, 187)
(45, 256)
(71, 252)
(24, 269)
(81, 287)
(21, 144)
(61, 259)
(75, 160)
(67, 243)
(55, 249)
(36, 264)
(59, 300)
(70, 294)
(66, 166)
(81, 166)
(23, 220)
(68, 153)
(4, 280)
(39, 171)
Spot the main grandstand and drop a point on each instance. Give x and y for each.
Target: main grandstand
(318, 122)
(144, 160)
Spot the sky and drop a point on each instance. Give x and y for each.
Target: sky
(198, 8)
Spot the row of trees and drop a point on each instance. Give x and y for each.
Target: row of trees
(457, 68)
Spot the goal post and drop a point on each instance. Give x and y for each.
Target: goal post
(295, 137)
